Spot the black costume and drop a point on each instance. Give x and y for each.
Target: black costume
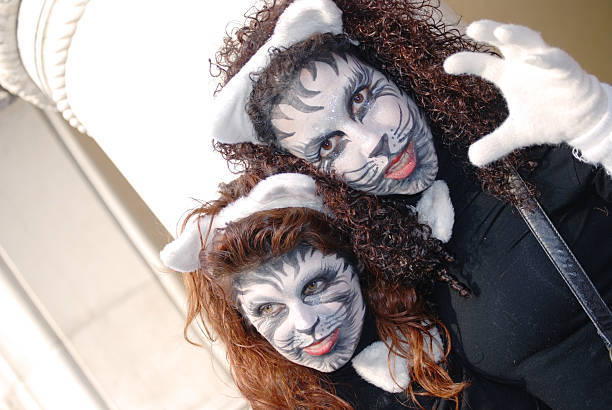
(521, 332)
(481, 394)
(522, 325)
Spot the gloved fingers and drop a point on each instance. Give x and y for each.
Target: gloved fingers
(513, 41)
(482, 31)
(482, 64)
(493, 146)
(519, 36)
(553, 59)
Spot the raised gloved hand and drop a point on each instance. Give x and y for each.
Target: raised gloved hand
(550, 98)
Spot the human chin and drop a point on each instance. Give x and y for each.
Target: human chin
(340, 343)
(421, 177)
(334, 349)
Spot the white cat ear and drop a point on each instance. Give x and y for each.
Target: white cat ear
(183, 254)
(301, 19)
(304, 18)
(290, 190)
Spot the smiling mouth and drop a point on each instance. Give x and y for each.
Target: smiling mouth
(402, 165)
(323, 346)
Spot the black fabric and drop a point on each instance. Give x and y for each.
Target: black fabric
(522, 324)
(481, 394)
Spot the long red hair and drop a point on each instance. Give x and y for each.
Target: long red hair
(265, 378)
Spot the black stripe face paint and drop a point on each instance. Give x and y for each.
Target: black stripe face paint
(349, 118)
(307, 305)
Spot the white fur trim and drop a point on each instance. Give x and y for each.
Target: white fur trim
(371, 363)
(277, 191)
(303, 18)
(436, 210)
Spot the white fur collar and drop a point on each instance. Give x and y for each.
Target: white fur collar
(436, 210)
(371, 363)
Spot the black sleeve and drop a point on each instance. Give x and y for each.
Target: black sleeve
(482, 393)
(561, 178)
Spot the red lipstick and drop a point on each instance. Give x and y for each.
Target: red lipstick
(402, 165)
(323, 346)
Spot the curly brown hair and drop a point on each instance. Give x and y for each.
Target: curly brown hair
(406, 40)
(383, 232)
(409, 42)
(263, 376)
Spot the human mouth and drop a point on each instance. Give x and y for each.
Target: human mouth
(323, 346)
(402, 165)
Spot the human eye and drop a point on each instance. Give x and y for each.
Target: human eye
(358, 98)
(314, 286)
(329, 145)
(360, 103)
(269, 309)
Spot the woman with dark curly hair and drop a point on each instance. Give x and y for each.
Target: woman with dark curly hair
(357, 96)
(302, 320)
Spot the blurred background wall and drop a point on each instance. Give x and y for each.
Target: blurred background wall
(89, 319)
(582, 28)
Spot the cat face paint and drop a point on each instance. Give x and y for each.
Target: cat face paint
(349, 118)
(307, 305)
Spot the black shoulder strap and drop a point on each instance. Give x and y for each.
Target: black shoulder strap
(566, 263)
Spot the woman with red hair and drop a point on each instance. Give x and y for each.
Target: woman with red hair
(302, 320)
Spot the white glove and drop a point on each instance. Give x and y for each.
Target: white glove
(550, 98)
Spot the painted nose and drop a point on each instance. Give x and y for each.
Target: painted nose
(382, 148)
(306, 319)
(366, 139)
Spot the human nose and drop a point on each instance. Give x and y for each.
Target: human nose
(305, 319)
(366, 138)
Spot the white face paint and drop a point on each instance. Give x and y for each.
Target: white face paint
(308, 305)
(359, 124)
